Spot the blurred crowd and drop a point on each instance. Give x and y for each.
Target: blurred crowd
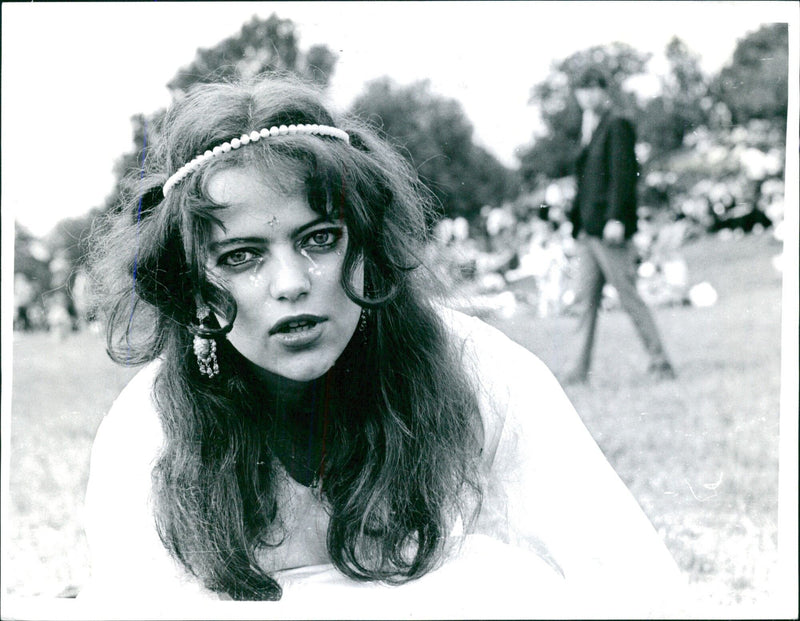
(61, 309)
(727, 183)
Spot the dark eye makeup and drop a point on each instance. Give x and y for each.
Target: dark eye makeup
(320, 240)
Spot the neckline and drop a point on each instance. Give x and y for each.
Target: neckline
(298, 432)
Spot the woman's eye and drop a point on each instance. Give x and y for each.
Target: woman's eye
(237, 258)
(322, 239)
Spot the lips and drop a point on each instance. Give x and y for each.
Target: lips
(297, 324)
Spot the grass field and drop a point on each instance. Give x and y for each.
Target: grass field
(700, 453)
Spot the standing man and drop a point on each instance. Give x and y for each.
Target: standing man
(604, 220)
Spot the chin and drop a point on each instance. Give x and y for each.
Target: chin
(303, 375)
(303, 371)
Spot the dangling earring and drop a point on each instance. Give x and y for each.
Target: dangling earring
(205, 348)
(363, 323)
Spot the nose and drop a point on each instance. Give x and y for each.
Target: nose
(290, 279)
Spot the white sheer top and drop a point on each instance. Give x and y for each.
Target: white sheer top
(558, 533)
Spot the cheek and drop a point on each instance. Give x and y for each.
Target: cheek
(347, 311)
(326, 274)
(249, 291)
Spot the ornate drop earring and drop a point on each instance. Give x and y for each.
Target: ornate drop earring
(363, 323)
(205, 348)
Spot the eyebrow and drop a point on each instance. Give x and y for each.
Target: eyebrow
(256, 239)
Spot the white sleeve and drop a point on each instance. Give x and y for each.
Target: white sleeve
(550, 488)
(129, 562)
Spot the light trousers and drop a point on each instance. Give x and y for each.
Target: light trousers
(601, 263)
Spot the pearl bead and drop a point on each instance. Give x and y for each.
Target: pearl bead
(254, 136)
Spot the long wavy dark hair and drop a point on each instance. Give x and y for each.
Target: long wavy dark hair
(404, 437)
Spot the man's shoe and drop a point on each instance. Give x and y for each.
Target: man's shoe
(575, 377)
(661, 370)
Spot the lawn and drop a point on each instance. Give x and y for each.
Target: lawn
(61, 390)
(700, 453)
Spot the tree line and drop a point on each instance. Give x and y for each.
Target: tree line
(436, 136)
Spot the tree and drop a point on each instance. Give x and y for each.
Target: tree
(552, 152)
(31, 278)
(437, 138)
(144, 129)
(682, 104)
(68, 240)
(262, 45)
(755, 84)
(31, 258)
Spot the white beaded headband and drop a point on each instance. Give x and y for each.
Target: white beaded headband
(254, 136)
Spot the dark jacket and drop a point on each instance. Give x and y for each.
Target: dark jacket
(606, 172)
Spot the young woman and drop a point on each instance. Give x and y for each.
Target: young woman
(308, 417)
